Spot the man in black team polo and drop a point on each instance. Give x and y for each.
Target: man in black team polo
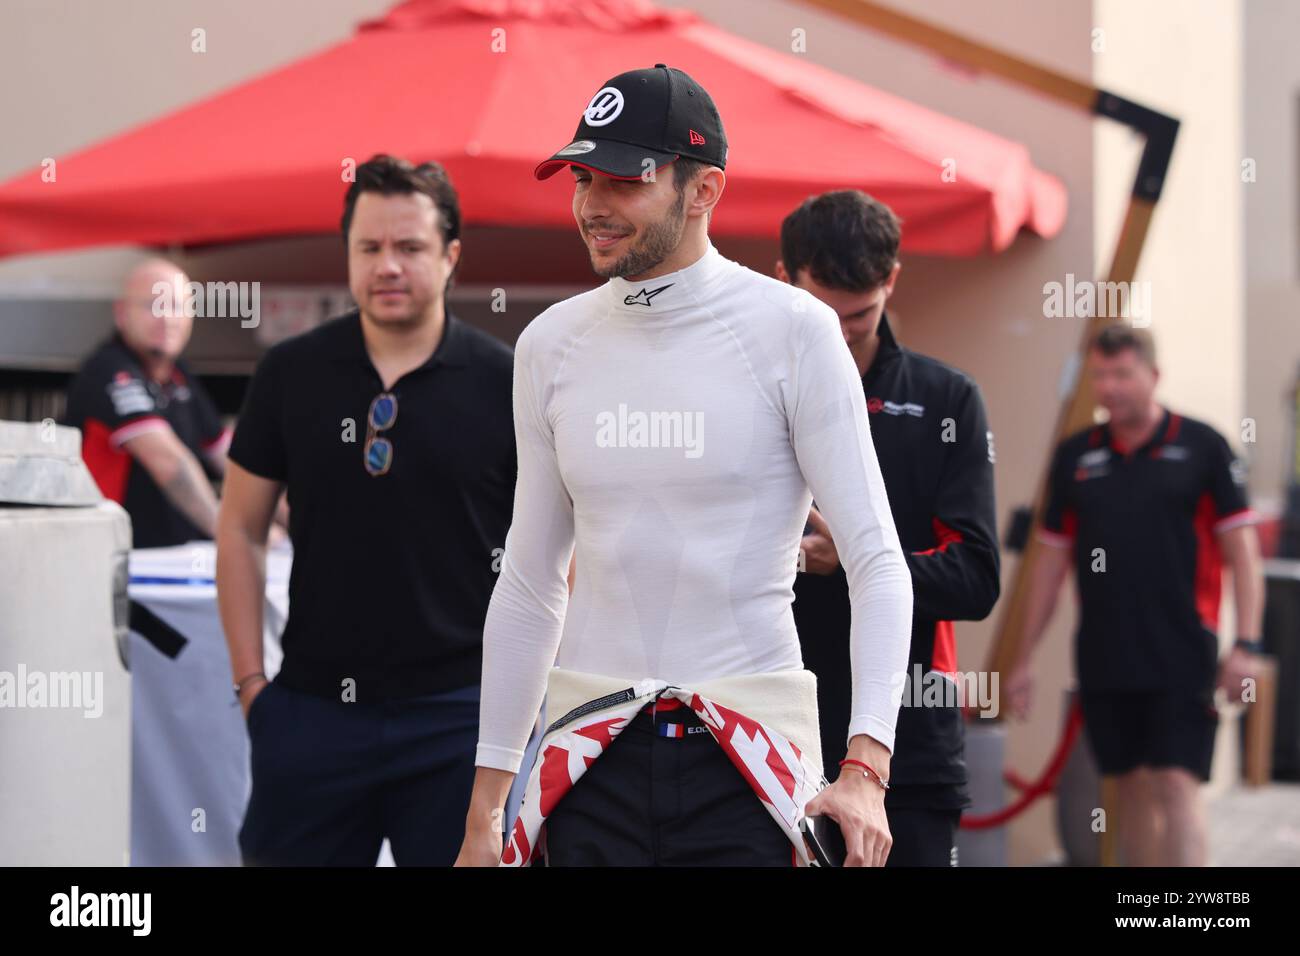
(1147, 507)
(392, 430)
(150, 434)
(936, 454)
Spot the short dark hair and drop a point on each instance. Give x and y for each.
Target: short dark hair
(684, 170)
(391, 176)
(1114, 338)
(845, 239)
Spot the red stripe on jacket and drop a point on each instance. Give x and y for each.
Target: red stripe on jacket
(943, 655)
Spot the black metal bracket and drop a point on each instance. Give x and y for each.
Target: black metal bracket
(1160, 131)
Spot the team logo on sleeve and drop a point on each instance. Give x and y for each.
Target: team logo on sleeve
(875, 404)
(128, 395)
(1237, 468)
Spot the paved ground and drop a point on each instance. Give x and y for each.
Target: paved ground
(1255, 826)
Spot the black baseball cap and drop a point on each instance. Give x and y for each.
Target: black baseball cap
(658, 114)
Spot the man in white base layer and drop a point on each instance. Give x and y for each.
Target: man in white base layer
(673, 426)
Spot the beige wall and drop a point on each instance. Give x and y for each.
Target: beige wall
(1270, 98)
(1193, 256)
(73, 72)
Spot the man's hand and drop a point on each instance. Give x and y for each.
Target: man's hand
(1045, 580)
(480, 848)
(1018, 692)
(820, 556)
(242, 523)
(857, 804)
(485, 821)
(249, 691)
(1234, 670)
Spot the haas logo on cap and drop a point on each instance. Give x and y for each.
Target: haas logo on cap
(604, 107)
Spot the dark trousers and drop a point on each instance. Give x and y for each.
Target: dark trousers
(653, 799)
(922, 836)
(331, 780)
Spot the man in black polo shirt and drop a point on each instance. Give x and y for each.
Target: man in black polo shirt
(1147, 507)
(392, 430)
(936, 454)
(150, 434)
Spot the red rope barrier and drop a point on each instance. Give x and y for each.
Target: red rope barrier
(1015, 781)
(1032, 791)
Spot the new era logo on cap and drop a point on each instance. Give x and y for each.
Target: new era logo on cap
(656, 114)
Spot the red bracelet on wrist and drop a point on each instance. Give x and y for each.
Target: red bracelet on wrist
(868, 771)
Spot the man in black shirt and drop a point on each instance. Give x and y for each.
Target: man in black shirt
(936, 454)
(1147, 507)
(392, 430)
(150, 434)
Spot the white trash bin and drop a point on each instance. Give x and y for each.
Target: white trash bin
(65, 695)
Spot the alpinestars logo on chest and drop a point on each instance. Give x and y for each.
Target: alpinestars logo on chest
(643, 297)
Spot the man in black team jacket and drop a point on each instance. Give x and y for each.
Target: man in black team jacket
(936, 453)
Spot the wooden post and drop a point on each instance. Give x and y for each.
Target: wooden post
(1258, 769)
(1075, 414)
(970, 53)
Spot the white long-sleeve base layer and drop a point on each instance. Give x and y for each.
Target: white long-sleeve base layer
(673, 433)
